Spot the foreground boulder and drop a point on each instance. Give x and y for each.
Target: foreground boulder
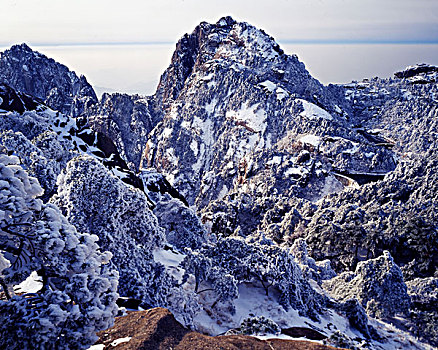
(157, 329)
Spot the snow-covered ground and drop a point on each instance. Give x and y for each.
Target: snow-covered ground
(253, 302)
(32, 284)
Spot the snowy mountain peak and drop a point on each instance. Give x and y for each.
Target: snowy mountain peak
(23, 47)
(33, 73)
(191, 49)
(252, 41)
(417, 69)
(229, 92)
(226, 42)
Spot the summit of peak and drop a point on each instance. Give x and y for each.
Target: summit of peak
(23, 50)
(33, 73)
(226, 21)
(228, 42)
(21, 47)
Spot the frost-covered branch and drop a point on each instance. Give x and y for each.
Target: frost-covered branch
(77, 298)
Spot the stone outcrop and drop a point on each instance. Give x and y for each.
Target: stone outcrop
(157, 329)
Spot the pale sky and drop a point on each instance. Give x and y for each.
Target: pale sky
(338, 40)
(90, 21)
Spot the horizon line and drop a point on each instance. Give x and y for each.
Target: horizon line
(280, 41)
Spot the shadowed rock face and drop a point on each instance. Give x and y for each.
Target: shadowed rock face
(157, 329)
(32, 73)
(12, 101)
(192, 49)
(410, 72)
(127, 120)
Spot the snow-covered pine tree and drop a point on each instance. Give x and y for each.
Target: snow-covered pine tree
(232, 261)
(97, 202)
(197, 264)
(76, 299)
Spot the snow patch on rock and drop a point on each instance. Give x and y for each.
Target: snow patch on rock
(312, 111)
(310, 139)
(252, 117)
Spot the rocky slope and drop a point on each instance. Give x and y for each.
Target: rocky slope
(45, 139)
(158, 329)
(127, 120)
(401, 109)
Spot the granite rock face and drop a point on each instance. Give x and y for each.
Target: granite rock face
(127, 120)
(238, 111)
(30, 72)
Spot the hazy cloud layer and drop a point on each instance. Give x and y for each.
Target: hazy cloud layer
(84, 21)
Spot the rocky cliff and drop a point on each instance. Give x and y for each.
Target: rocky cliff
(30, 72)
(237, 107)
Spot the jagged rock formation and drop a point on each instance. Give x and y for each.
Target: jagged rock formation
(127, 120)
(397, 213)
(32, 73)
(245, 123)
(399, 111)
(45, 140)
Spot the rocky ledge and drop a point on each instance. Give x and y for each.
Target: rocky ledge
(157, 329)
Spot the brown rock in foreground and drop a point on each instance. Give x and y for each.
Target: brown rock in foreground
(157, 329)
